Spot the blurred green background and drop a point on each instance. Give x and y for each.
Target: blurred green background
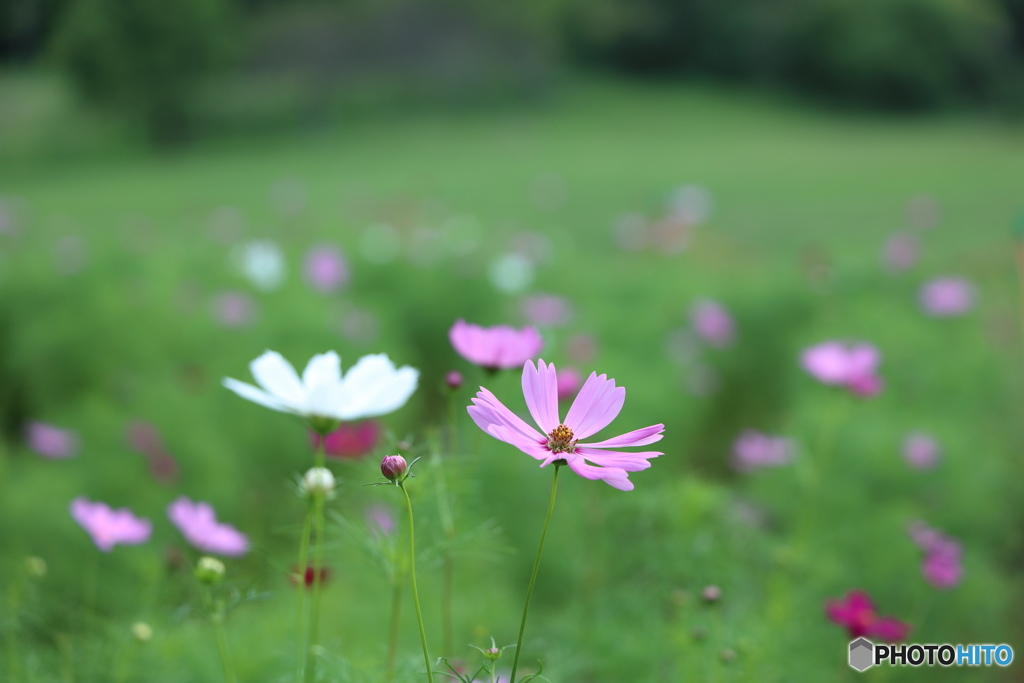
(634, 158)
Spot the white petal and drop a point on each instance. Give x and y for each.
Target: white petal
(322, 369)
(277, 376)
(251, 393)
(373, 387)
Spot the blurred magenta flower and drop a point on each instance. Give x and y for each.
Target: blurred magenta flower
(50, 441)
(547, 309)
(198, 524)
(349, 440)
(326, 269)
(920, 450)
(371, 387)
(495, 348)
(942, 566)
(453, 379)
(144, 438)
(234, 309)
(569, 381)
(857, 614)
(109, 527)
(901, 251)
(753, 449)
(598, 403)
(852, 366)
(381, 520)
(947, 296)
(712, 322)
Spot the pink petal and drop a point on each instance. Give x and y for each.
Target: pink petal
(889, 629)
(531, 447)
(631, 462)
(638, 437)
(610, 475)
(597, 404)
(488, 410)
(540, 388)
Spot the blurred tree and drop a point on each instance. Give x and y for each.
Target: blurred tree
(145, 57)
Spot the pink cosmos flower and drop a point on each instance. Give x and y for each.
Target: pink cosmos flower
(50, 441)
(921, 451)
(109, 527)
(853, 366)
(234, 309)
(381, 520)
(495, 348)
(752, 449)
(597, 404)
(350, 440)
(941, 567)
(198, 524)
(569, 382)
(547, 309)
(712, 323)
(946, 297)
(901, 251)
(857, 613)
(326, 269)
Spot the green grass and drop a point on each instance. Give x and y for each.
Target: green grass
(131, 337)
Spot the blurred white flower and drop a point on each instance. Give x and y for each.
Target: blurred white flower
(262, 263)
(511, 273)
(372, 387)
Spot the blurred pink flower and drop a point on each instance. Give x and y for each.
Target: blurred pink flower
(234, 309)
(569, 381)
(495, 348)
(350, 439)
(109, 527)
(941, 566)
(920, 451)
(381, 520)
(50, 441)
(901, 251)
(712, 322)
(598, 403)
(581, 348)
(144, 438)
(198, 524)
(853, 366)
(753, 449)
(857, 614)
(326, 269)
(947, 296)
(547, 309)
(453, 379)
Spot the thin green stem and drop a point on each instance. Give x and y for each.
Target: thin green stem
(216, 614)
(412, 579)
(300, 600)
(314, 607)
(533, 576)
(396, 611)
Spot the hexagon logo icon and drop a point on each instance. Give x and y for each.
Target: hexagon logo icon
(861, 654)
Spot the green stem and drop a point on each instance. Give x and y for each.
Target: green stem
(412, 578)
(217, 619)
(300, 601)
(533, 576)
(396, 610)
(314, 608)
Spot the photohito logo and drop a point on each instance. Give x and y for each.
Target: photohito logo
(865, 654)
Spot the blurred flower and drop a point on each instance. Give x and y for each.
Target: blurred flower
(752, 449)
(142, 631)
(50, 441)
(547, 309)
(262, 263)
(495, 348)
(381, 520)
(109, 527)
(326, 269)
(349, 440)
(941, 567)
(198, 524)
(947, 296)
(691, 203)
(511, 273)
(711, 593)
(372, 387)
(671, 234)
(712, 323)
(852, 366)
(453, 379)
(597, 404)
(318, 481)
(901, 251)
(234, 309)
(144, 438)
(581, 348)
(856, 612)
(630, 232)
(359, 325)
(569, 381)
(209, 570)
(920, 450)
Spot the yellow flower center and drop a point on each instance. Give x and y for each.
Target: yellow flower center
(561, 440)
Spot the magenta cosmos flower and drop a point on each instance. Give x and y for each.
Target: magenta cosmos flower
(109, 527)
(495, 348)
(852, 366)
(752, 450)
(857, 613)
(50, 441)
(942, 565)
(198, 524)
(597, 404)
(947, 296)
(349, 440)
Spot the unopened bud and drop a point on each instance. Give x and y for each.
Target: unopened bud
(209, 570)
(318, 481)
(142, 631)
(493, 653)
(453, 379)
(393, 467)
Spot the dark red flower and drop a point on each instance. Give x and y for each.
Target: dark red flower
(350, 439)
(857, 613)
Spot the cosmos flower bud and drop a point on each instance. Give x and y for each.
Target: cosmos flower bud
(142, 631)
(209, 570)
(318, 481)
(394, 468)
(453, 379)
(493, 653)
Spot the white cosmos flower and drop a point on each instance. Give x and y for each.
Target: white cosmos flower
(371, 387)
